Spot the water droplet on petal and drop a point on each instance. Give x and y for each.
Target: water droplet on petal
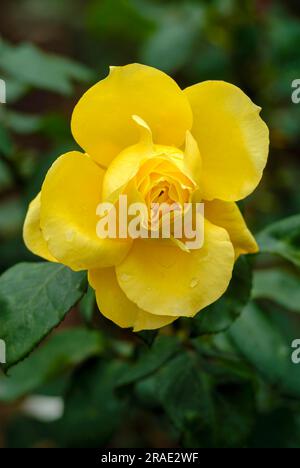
(125, 277)
(70, 235)
(194, 283)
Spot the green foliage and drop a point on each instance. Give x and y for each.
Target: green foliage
(278, 285)
(221, 314)
(87, 305)
(11, 217)
(261, 343)
(222, 379)
(6, 179)
(151, 359)
(92, 410)
(34, 298)
(185, 394)
(61, 352)
(282, 238)
(5, 141)
(170, 46)
(23, 124)
(31, 67)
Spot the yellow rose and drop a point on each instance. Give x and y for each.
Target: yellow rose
(143, 136)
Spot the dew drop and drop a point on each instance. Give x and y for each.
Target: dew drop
(125, 277)
(70, 235)
(194, 283)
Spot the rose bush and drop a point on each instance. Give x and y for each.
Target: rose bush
(145, 137)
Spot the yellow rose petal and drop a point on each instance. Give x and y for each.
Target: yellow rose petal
(144, 158)
(233, 140)
(163, 279)
(192, 159)
(70, 195)
(102, 120)
(115, 306)
(32, 233)
(126, 164)
(228, 216)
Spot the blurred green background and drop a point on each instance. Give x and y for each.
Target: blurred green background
(51, 51)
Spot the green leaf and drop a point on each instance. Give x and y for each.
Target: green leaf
(151, 359)
(6, 179)
(279, 428)
(261, 343)
(122, 17)
(184, 391)
(25, 432)
(34, 298)
(29, 65)
(147, 336)
(15, 90)
(145, 391)
(278, 285)
(221, 314)
(87, 305)
(11, 217)
(282, 238)
(92, 409)
(64, 350)
(11, 251)
(22, 123)
(92, 412)
(235, 415)
(6, 145)
(202, 410)
(170, 46)
(222, 359)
